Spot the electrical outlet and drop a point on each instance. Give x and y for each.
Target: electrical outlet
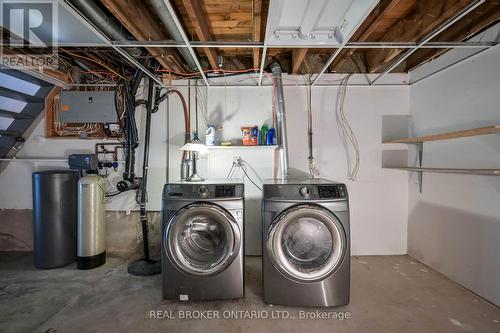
(237, 160)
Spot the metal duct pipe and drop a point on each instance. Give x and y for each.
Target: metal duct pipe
(104, 23)
(162, 11)
(279, 106)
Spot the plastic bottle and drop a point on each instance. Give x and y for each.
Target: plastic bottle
(210, 136)
(271, 137)
(263, 134)
(255, 134)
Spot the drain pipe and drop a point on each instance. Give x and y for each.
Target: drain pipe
(146, 266)
(163, 13)
(279, 105)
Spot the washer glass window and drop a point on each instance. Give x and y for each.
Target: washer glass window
(202, 239)
(306, 243)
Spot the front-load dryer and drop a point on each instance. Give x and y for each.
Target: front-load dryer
(306, 250)
(202, 241)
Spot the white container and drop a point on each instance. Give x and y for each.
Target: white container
(210, 136)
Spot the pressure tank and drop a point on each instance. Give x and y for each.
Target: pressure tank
(91, 247)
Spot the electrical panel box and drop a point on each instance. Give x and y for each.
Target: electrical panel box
(87, 107)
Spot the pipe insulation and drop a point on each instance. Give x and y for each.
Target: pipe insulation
(166, 19)
(279, 106)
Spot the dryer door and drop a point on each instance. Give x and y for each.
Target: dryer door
(306, 243)
(202, 239)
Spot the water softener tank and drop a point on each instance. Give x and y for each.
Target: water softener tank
(54, 218)
(91, 247)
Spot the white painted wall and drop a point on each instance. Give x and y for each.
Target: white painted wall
(454, 224)
(378, 198)
(15, 180)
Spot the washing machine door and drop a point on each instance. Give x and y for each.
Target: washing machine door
(202, 239)
(306, 243)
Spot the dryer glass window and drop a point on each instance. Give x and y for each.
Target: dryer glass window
(307, 243)
(203, 241)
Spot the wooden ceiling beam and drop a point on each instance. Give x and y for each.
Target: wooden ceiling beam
(257, 23)
(202, 28)
(382, 18)
(136, 17)
(298, 56)
(471, 24)
(427, 16)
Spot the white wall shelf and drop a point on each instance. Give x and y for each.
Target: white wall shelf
(243, 147)
(482, 172)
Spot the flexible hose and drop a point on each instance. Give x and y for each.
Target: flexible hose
(187, 127)
(187, 121)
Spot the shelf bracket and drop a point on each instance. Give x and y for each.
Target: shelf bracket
(420, 174)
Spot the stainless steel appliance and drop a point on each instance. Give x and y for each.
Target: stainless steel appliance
(202, 241)
(306, 250)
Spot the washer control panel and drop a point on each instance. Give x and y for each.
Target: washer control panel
(327, 192)
(225, 191)
(205, 191)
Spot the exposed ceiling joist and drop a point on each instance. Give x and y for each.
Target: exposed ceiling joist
(257, 23)
(386, 15)
(445, 25)
(202, 28)
(298, 56)
(137, 18)
(485, 16)
(426, 17)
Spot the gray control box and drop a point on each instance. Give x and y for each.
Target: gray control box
(87, 107)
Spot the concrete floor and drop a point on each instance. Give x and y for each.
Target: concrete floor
(389, 294)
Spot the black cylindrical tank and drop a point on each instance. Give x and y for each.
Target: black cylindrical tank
(54, 217)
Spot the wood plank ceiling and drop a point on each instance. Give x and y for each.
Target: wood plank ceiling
(245, 21)
(390, 21)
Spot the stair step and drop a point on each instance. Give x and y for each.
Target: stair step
(11, 133)
(14, 115)
(24, 76)
(19, 96)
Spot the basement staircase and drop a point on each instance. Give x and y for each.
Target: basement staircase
(22, 101)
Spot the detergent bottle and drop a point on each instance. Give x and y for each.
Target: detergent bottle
(263, 134)
(210, 136)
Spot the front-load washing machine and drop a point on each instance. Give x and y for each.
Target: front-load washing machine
(202, 241)
(306, 250)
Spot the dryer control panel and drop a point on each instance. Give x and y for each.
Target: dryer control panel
(305, 192)
(203, 191)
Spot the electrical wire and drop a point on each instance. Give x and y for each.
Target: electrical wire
(94, 61)
(241, 165)
(223, 71)
(346, 133)
(250, 179)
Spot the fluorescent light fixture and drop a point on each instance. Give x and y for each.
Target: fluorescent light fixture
(314, 22)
